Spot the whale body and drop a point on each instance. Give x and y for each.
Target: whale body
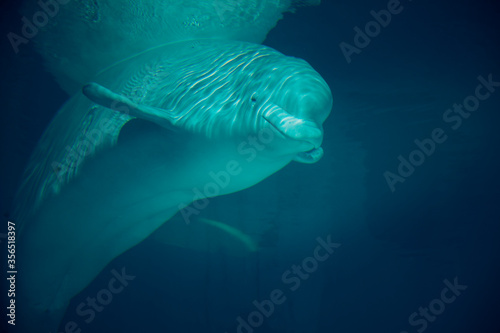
(150, 135)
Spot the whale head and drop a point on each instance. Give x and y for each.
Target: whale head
(295, 102)
(252, 103)
(237, 89)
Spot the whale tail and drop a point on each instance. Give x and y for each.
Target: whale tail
(83, 37)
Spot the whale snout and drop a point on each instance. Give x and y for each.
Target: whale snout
(312, 134)
(293, 127)
(310, 150)
(307, 135)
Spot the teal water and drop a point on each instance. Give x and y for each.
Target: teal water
(395, 247)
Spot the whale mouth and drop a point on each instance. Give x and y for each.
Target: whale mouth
(307, 132)
(310, 156)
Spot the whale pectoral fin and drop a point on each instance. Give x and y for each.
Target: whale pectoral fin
(111, 100)
(237, 235)
(291, 126)
(206, 235)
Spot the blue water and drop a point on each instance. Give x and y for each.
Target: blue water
(396, 247)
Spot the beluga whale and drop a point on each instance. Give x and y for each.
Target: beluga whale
(197, 104)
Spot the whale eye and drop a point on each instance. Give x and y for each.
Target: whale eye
(254, 98)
